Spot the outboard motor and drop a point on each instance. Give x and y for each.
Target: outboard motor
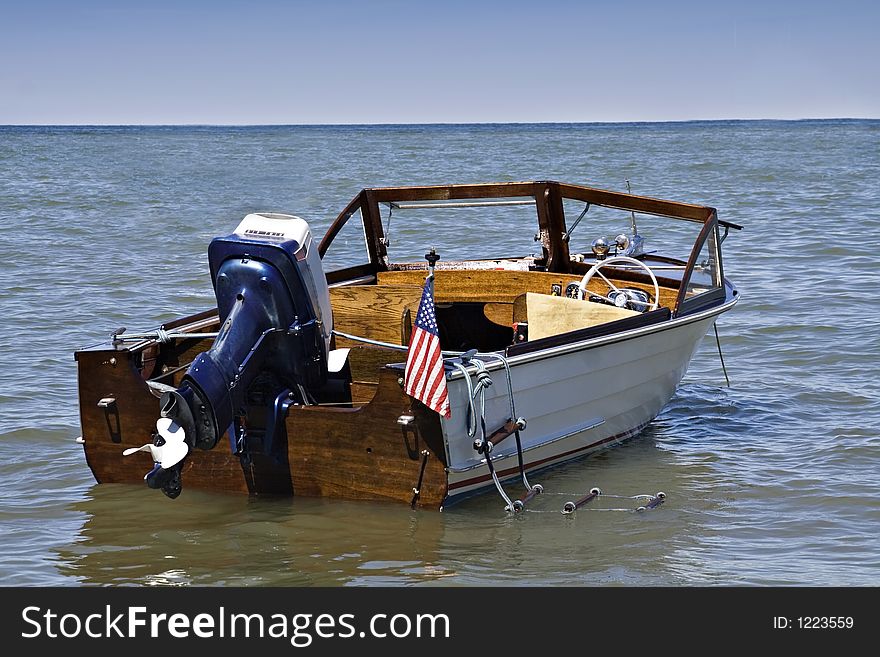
(275, 328)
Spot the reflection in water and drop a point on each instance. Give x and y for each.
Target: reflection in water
(134, 536)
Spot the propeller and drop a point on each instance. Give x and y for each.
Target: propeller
(167, 456)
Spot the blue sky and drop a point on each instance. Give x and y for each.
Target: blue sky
(388, 61)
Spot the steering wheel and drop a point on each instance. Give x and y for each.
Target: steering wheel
(610, 261)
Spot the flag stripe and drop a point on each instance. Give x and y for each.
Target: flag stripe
(432, 353)
(417, 356)
(422, 347)
(438, 395)
(418, 372)
(432, 385)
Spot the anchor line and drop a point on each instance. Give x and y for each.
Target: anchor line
(482, 445)
(720, 355)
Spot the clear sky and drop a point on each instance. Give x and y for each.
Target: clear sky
(390, 61)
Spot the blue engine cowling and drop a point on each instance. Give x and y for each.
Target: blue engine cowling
(275, 323)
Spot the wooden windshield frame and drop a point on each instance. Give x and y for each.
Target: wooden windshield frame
(548, 197)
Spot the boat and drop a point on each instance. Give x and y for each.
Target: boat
(297, 382)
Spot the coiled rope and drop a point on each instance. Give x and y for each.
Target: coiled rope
(477, 392)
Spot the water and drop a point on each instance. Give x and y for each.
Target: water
(773, 481)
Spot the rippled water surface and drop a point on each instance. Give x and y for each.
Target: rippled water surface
(775, 480)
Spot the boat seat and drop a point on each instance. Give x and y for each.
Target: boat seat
(552, 315)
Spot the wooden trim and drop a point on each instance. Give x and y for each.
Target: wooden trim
(477, 285)
(559, 259)
(374, 231)
(692, 261)
(353, 206)
(551, 227)
(548, 197)
(644, 204)
(372, 225)
(452, 192)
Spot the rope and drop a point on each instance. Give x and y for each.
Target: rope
(377, 343)
(519, 422)
(160, 335)
(161, 387)
(403, 347)
(720, 355)
(513, 415)
(387, 236)
(446, 354)
(484, 380)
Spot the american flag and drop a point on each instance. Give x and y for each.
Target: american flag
(423, 377)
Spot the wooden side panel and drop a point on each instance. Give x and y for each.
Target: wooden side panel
(364, 453)
(360, 453)
(131, 421)
(373, 311)
(367, 362)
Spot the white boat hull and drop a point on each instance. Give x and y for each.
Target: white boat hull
(577, 399)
